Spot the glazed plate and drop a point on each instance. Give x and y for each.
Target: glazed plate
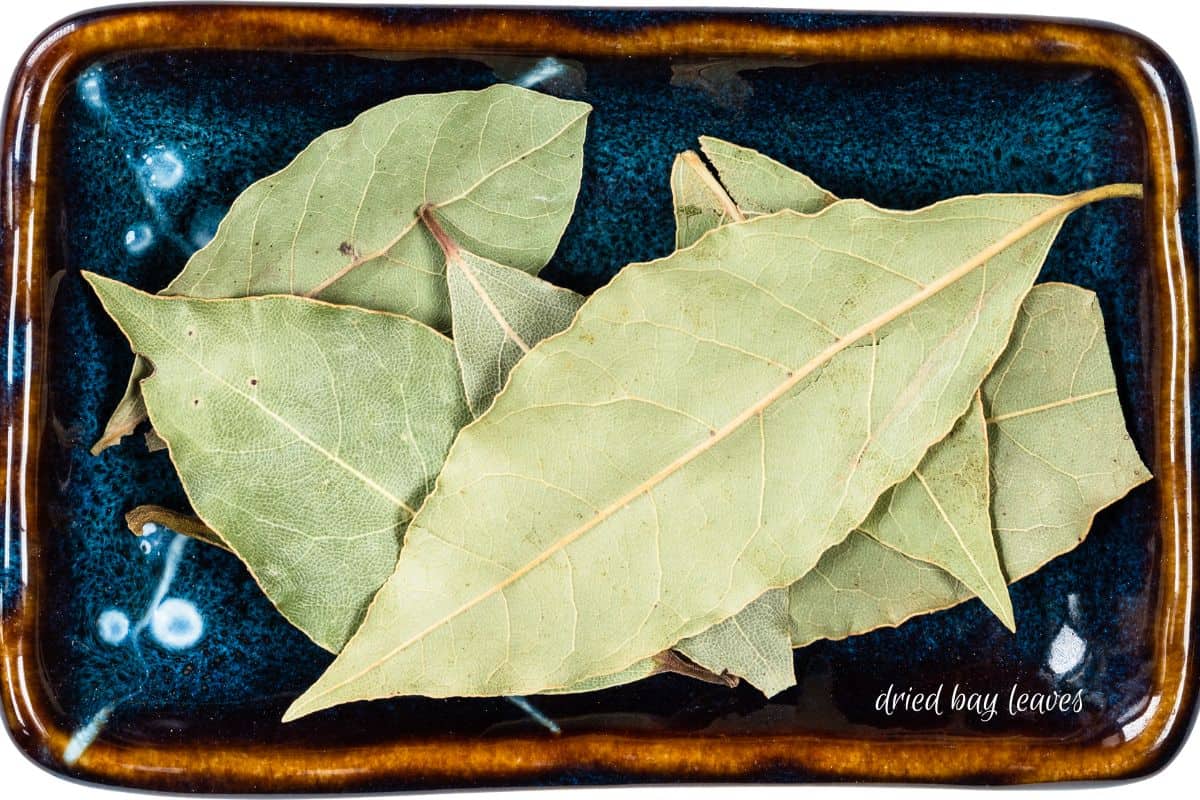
(156, 662)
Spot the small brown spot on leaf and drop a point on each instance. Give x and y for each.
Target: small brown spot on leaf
(346, 249)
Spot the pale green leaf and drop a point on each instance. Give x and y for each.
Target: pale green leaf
(756, 642)
(699, 200)
(1059, 454)
(747, 184)
(500, 165)
(941, 514)
(498, 314)
(130, 411)
(304, 434)
(622, 479)
(860, 585)
(759, 184)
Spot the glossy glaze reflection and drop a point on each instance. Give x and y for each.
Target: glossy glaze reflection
(161, 640)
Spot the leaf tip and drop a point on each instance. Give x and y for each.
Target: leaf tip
(103, 443)
(92, 278)
(104, 287)
(1001, 606)
(294, 712)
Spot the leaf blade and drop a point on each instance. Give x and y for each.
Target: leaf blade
(949, 492)
(259, 388)
(759, 184)
(498, 313)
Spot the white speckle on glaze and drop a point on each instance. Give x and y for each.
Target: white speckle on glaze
(149, 529)
(1066, 651)
(204, 226)
(543, 70)
(176, 624)
(82, 739)
(113, 626)
(162, 168)
(91, 89)
(535, 714)
(138, 238)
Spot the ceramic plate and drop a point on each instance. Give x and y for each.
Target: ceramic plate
(157, 663)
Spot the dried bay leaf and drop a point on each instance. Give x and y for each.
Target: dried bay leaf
(810, 322)
(498, 314)
(501, 165)
(305, 434)
(941, 514)
(699, 200)
(754, 644)
(759, 184)
(749, 185)
(1059, 454)
(1060, 451)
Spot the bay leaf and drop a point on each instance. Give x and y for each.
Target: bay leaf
(501, 166)
(699, 200)
(749, 184)
(498, 314)
(305, 434)
(829, 330)
(941, 514)
(1059, 453)
(754, 644)
(758, 184)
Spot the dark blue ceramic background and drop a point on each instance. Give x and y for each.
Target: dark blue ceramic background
(901, 135)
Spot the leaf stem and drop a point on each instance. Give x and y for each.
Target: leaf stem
(449, 247)
(672, 661)
(188, 525)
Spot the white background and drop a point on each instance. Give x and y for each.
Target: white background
(1169, 24)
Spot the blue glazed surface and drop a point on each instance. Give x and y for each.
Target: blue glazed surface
(160, 636)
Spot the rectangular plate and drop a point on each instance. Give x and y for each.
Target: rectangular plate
(128, 133)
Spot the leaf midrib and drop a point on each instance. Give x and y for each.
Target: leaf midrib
(473, 278)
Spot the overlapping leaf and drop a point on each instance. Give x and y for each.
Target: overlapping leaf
(941, 514)
(498, 314)
(500, 165)
(747, 184)
(305, 435)
(836, 326)
(1059, 454)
